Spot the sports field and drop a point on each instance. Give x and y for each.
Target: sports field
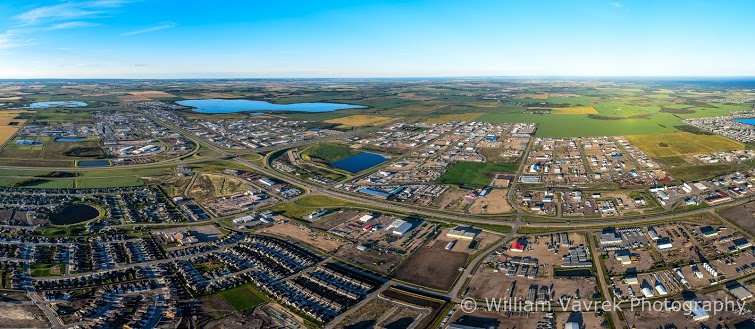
(360, 120)
(682, 143)
(244, 297)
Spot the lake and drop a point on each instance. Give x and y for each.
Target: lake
(72, 214)
(359, 162)
(70, 139)
(244, 105)
(750, 121)
(47, 105)
(93, 163)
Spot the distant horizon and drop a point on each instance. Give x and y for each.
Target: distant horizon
(479, 77)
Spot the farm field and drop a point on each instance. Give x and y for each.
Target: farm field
(9, 125)
(360, 120)
(474, 173)
(682, 143)
(581, 125)
(574, 110)
(445, 118)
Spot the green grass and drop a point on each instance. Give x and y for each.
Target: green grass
(578, 125)
(109, 182)
(48, 183)
(38, 269)
(244, 297)
(692, 173)
(322, 201)
(474, 173)
(330, 152)
(56, 231)
(129, 172)
(292, 210)
(307, 205)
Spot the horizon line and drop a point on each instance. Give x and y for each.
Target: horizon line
(546, 77)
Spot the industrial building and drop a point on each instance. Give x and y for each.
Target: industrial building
(465, 233)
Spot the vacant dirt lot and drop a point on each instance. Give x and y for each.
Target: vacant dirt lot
(333, 220)
(306, 235)
(432, 267)
(743, 216)
(381, 262)
(366, 316)
(494, 203)
(451, 200)
(22, 316)
(266, 316)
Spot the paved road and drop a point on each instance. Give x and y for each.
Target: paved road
(601, 278)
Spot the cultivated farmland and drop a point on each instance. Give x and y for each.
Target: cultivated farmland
(360, 120)
(683, 143)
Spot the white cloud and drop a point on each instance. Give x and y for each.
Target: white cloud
(616, 4)
(150, 29)
(69, 11)
(10, 39)
(64, 15)
(70, 25)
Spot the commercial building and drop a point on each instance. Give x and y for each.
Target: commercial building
(665, 244)
(740, 292)
(623, 257)
(399, 227)
(466, 233)
(610, 238)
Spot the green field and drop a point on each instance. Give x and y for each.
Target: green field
(474, 173)
(308, 204)
(39, 269)
(579, 125)
(108, 182)
(244, 297)
(693, 173)
(330, 152)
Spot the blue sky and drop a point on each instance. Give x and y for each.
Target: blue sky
(368, 38)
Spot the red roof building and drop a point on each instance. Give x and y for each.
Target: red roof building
(517, 246)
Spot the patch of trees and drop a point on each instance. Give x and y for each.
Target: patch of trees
(693, 130)
(603, 117)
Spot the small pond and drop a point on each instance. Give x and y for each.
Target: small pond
(73, 214)
(93, 163)
(359, 162)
